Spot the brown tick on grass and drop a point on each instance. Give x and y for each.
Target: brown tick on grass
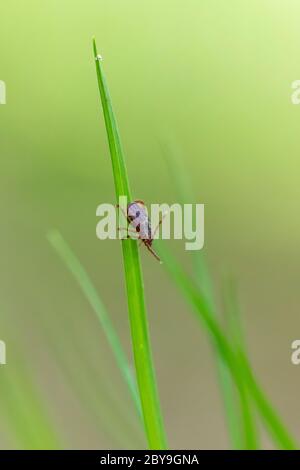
(138, 219)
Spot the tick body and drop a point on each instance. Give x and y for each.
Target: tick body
(137, 217)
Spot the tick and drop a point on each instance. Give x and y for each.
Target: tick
(137, 217)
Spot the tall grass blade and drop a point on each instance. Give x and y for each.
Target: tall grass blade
(134, 283)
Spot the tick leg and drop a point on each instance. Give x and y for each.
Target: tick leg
(153, 253)
(158, 225)
(131, 230)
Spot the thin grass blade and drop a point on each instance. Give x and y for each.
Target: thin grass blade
(134, 282)
(203, 281)
(250, 435)
(89, 290)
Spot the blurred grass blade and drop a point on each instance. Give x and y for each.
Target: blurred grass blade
(177, 171)
(83, 373)
(272, 421)
(249, 430)
(250, 436)
(185, 196)
(227, 386)
(134, 282)
(89, 290)
(230, 404)
(26, 411)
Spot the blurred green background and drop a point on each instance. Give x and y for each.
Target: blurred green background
(212, 77)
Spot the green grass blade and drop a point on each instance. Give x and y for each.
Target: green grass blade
(230, 404)
(89, 290)
(185, 195)
(25, 408)
(272, 421)
(81, 372)
(228, 390)
(134, 283)
(250, 436)
(177, 172)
